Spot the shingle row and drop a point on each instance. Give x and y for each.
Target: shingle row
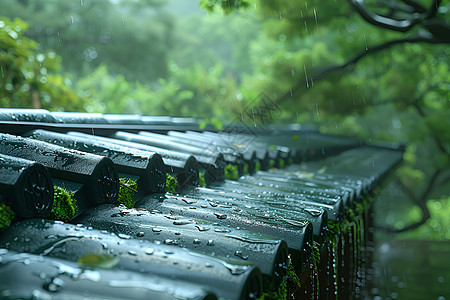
(292, 193)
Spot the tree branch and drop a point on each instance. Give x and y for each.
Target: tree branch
(378, 20)
(418, 8)
(322, 72)
(433, 8)
(422, 113)
(420, 202)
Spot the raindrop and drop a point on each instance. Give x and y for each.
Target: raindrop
(306, 76)
(314, 212)
(296, 223)
(54, 285)
(140, 234)
(149, 251)
(124, 236)
(220, 216)
(132, 252)
(241, 255)
(196, 241)
(315, 17)
(252, 241)
(170, 242)
(200, 228)
(156, 229)
(181, 222)
(210, 243)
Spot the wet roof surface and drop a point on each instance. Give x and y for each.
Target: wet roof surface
(241, 203)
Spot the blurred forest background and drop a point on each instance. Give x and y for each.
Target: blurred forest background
(211, 58)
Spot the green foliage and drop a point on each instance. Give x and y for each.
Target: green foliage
(64, 205)
(7, 215)
(189, 92)
(438, 227)
(30, 77)
(171, 183)
(228, 6)
(257, 166)
(201, 179)
(216, 123)
(231, 172)
(127, 191)
(126, 34)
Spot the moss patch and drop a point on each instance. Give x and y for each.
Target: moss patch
(201, 179)
(231, 172)
(7, 215)
(290, 283)
(282, 164)
(127, 190)
(314, 266)
(64, 205)
(171, 183)
(271, 164)
(257, 166)
(245, 169)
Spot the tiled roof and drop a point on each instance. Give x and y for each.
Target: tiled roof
(288, 192)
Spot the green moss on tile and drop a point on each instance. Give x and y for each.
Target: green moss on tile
(171, 183)
(290, 283)
(231, 172)
(271, 164)
(7, 215)
(201, 179)
(245, 169)
(64, 205)
(127, 191)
